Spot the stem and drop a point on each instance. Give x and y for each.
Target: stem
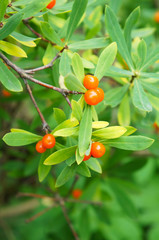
(44, 123)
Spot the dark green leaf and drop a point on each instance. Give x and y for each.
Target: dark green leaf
(43, 170)
(83, 170)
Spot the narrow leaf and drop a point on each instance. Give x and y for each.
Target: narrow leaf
(12, 49)
(94, 165)
(78, 68)
(3, 6)
(110, 132)
(72, 83)
(124, 112)
(50, 33)
(43, 170)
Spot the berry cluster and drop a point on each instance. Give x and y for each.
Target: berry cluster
(94, 95)
(97, 151)
(47, 142)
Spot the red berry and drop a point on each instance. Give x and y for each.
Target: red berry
(90, 82)
(91, 97)
(51, 4)
(86, 157)
(77, 193)
(156, 17)
(5, 93)
(48, 141)
(40, 148)
(100, 94)
(97, 150)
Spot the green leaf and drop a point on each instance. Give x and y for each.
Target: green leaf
(43, 170)
(66, 124)
(25, 40)
(123, 200)
(78, 10)
(99, 124)
(142, 32)
(12, 49)
(3, 7)
(151, 59)
(93, 43)
(85, 131)
(154, 101)
(94, 114)
(140, 100)
(78, 68)
(11, 24)
(20, 138)
(117, 36)
(131, 167)
(83, 170)
(151, 88)
(142, 53)
(49, 54)
(65, 64)
(94, 165)
(50, 33)
(130, 130)
(59, 115)
(114, 96)
(60, 156)
(34, 7)
(110, 132)
(129, 24)
(66, 174)
(8, 79)
(76, 110)
(132, 143)
(124, 112)
(105, 61)
(79, 158)
(72, 83)
(66, 132)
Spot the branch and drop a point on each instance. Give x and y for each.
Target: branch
(44, 123)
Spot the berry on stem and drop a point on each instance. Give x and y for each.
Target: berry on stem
(91, 97)
(48, 141)
(40, 148)
(77, 193)
(86, 157)
(51, 4)
(100, 94)
(90, 82)
(97, 150)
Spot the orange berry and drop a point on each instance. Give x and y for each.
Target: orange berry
(97, 150)
(100, 94)
(86, 157)
(77, 193)
(156, 17)
(155, 125)
(48, 141)
(91, 97)
(40, 148)
(90, 82)
(51, 4)
(5, 93)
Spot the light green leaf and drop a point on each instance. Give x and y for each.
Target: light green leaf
(78, 10)
(72, 83)
(50, 33)
(129, 24)
(11, 24)
(83, 170)
(49, 54)
(12, 49)
(93, 43)
(43, 170)
(25, 40)
(66, 132)
(151, 88)
(3, 6)
(140, 100)
(152, 57)
(65, 64)
(94, 114)
(105, 61)
(76, 110)
(110, 132)
(66, 124)
(132, 143)
(20, 138)
(94, 165)
(142, 53)
(66, 174)
(78, 68)
(117, 36)
(79, 158)
(99, 124)
(60, 156)
(8, 79)
(130, 130)
(124, 112)
(59, 115)
(154, 101)
(85, 131)
(114, 96)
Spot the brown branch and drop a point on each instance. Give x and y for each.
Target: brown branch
(44, 123)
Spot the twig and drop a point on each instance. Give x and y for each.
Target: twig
(44, 123)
